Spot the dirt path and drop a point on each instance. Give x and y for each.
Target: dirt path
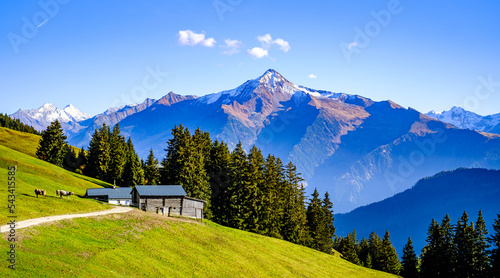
(37, 221)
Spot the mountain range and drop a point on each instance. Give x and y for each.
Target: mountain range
(360, 150)
(462, 118)
(410, 213)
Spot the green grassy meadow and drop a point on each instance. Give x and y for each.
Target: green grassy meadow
(140, 244)
(33, 173)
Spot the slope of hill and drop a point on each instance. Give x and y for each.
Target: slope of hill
(410, 213)
(462, 118)
(359, 150)
(34, 174)
(139, 244)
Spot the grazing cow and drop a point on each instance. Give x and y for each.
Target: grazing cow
(40, 192)
(64, 193)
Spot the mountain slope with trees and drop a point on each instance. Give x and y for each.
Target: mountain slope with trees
(409, 213)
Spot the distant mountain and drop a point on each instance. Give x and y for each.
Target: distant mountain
(462, 118)
(410, 213)
(42, 117)
(80, 134)
(359, 150)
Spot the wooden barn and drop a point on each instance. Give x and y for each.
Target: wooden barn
(167, 199)
(115, 196)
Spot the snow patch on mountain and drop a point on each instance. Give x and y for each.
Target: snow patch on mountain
(464, 119)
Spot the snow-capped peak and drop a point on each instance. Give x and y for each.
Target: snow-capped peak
(49, 112)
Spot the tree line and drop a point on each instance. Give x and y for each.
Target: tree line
(16, 124)
(460, 250)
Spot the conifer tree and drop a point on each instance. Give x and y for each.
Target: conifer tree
(132, 173)
(348, 247)
(481, 246)
(364, 252)
(103, 157)
(218, 170)
(294, 229)
(151, 172)
(91, 168)
(464, 239)
(375, 254)
(53, 146)
(234, 191)
(316, 221)
(409, 261)
(431, 259)
(446, 248)
(251, 193)
(389, 260)
(328, 231)
(494, 240)
(117, 157)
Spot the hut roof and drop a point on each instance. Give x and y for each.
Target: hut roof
(160, 190)
(117, 193)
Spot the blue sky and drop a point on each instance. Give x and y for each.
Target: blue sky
(98, 54)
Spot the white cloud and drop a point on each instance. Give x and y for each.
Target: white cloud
(312, 76)
(352, 44)
(257, 52)
(284, 45)
(231, 47)
(267, 41)
(188, 37)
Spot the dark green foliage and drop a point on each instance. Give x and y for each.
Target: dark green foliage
(117, 155)
(16, 124)
(409, 261)
(481, 259)
(132, 172)
(294, 212)
(218, 170)
(53, 146)
(348, 247)
(364, 253)
(184, 164)
(464, 240)
(319, 221)
(389, 261)
(494, 240)
(375, 250)
(151, 172)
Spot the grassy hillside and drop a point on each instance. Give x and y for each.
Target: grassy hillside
(138, 244)
(20, 141)
(33, 173)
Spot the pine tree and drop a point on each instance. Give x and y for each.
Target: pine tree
(91, 168)
(328, 231)
(117, 156)
(218, 170)
(132, 173)
(447, 249)
(432, 260)
(234, 191)
(294, 228)
(151, 172)
(252, 199)
(53, 146)
(103, 157)
(481, 246)
(348, 247)
(389, 260)
(494, 240)
(316, 222)
(375, 254)
(364, 252)
(464, 240)
(409, 261)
